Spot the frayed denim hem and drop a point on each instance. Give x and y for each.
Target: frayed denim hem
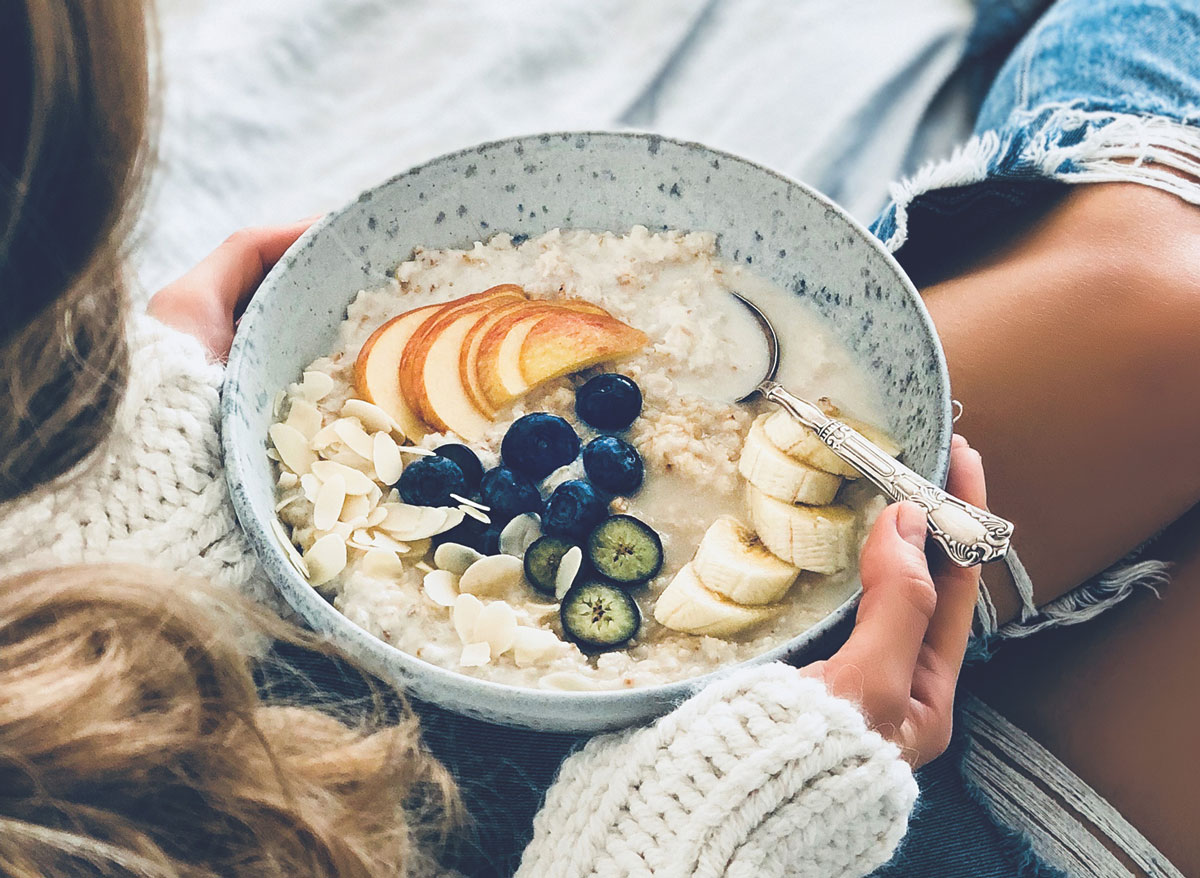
(1063, 822)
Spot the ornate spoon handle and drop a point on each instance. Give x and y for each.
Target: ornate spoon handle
(969, 535)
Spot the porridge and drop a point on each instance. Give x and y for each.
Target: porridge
(521, 462)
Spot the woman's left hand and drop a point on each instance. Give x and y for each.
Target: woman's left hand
(207, 300)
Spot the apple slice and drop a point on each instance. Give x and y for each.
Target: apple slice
(511, 385)
(469, 355)
(376, 371)
(568, 341)
(430, 377)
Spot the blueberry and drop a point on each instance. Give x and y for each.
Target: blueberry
(613, 465)
(538, 444)
(472, 469)
(507, 494)
(489, 543)
(430, 481)
(608, 402)
(573, 510)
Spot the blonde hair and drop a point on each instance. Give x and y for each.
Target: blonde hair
(73, 134)
(133, 742)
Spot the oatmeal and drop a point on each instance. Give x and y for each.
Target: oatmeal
(690, 532)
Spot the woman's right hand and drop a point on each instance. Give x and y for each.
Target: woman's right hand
(901, 662)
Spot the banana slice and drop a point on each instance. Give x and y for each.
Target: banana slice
(776, 474)
(802, 444)
(732, 561)
(686, 605)
(816, 538)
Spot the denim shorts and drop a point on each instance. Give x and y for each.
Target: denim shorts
(1095, 91)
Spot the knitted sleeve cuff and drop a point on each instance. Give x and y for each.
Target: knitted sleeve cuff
(165, 363)
(763, 773)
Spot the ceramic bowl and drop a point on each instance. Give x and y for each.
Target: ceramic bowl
(526, 186)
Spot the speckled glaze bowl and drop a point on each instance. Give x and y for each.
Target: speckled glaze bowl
(529, 185)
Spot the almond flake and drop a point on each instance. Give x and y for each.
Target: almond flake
(406, 522)
(350, 431)
(382, 564)
(328, 506)
(520, 533)
(533, 645)
(568, 569)
(356, 481)
(464, 614)
(310, 484)
(326, 559)
(441, 587)
(567, 681)
(376, 516)
(474, 655)
(384, 541)
(417, 450)
(385, 454)
(293, 448)
(492, 576)
(466, 501)
(305, 417)
(277, 404)
(455, 557)
(323, 438)
(497, 624)
(475, 514)
(355, 507)
(287, 501)
(287, 479)
(371, 416)
(272, 454)
(315, 385)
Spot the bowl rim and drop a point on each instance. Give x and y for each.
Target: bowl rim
(340, 628)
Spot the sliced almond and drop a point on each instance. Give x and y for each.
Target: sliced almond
(520, 533)
(287, 501)
(455, 557)
(277, 404)
(492, 576)
(474, 655)
(376, 516)
(327, 508)
(441, 587)
(370, 416)
(272, 454)
(356, 481)
(385, 454)
(305, 417)
(293, 448)
(567, 681)
(405, 522)
(467, 501)
(315, 385)
(464, 614)
(310, 485)
(568, 569)
(355, 509)
(324, 438)
(416, 450)
(382, 564)
(475, 514)
(325, 559)
(497, 624)
(534, 645)
(287, 479)
(289, 548)
(351, 432)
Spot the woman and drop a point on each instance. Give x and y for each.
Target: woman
(132, 738)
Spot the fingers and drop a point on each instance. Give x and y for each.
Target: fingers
(235, 269)
(957, 587)
(897, 603)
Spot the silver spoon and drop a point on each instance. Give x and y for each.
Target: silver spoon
(969, 535)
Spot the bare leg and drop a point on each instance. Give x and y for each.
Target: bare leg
(1075, 350)
(1116, 701)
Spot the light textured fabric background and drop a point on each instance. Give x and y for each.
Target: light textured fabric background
(276, 110)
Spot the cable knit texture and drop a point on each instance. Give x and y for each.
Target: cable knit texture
(762, 774)
(155, 492)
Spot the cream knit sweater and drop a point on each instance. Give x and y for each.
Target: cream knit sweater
(761, 774)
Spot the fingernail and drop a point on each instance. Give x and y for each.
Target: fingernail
(910, 524)
(957, 441)
(310, 219)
